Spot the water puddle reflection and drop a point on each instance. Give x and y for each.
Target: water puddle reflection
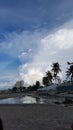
(22, 100)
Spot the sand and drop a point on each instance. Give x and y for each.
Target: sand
(36, 117)
(10, 95)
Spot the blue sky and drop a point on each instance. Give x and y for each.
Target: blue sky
(33, 35)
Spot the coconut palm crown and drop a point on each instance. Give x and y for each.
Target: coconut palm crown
(47, 80)
(56, 69)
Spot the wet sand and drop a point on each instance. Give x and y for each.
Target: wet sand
(36, 117)
(16, 94)
(10, 95)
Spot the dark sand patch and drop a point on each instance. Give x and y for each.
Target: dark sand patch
(36, 117)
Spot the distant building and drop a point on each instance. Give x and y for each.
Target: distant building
(19, 84)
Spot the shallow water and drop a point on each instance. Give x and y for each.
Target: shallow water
(23, 100)
(27, 99)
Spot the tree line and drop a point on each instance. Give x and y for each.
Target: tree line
(52, 76)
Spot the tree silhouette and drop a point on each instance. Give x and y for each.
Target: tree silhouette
(56, 69)
(35, 86)
(69, 72)
(14, 89)
(47, 80)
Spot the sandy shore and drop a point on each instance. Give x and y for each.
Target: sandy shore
(13, 95)
(36, 117)
(10, 95)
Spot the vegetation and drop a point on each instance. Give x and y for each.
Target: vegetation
(35, 86)
(21, 89)
(56, 69)
(49, 78)
(14, 89)
(69, 72)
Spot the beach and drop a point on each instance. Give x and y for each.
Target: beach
(36, 117)
(4, 95)
(10, 95)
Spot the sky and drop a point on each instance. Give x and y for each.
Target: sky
(33, 35)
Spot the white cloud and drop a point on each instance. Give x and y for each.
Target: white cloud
(3, 84)
(16, 43)
(61, 39)
(31, 76)
(37, 50)
(22, 55)
(7, 80)
(56, 46)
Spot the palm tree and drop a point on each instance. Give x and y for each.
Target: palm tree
(49, 76)
(69, 72)
(35, 86)
(47, 80)
(56, 69)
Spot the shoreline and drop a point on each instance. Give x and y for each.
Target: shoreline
(10, 95)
